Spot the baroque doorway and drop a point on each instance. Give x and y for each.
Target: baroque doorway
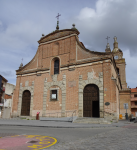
(25, 109)
(91, 101)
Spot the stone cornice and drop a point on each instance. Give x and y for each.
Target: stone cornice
(77, 64)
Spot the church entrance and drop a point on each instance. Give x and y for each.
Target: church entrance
(91, 101)
(25, 109)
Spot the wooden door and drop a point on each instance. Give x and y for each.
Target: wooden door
(25, 110)
(90, 94)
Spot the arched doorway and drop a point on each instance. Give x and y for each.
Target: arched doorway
(91, 101)
(25, 109)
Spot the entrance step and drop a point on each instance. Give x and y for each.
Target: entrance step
(91, 120)
(27, 118)
(63, 119)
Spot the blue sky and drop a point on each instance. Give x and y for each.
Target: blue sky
(22, 23)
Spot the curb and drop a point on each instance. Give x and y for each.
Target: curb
(61, 126)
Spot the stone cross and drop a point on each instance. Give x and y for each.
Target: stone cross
(58, 16)
(107, 38)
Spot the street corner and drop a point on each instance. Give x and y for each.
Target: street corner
(26, 142)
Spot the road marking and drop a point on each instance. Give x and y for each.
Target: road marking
(27, 142)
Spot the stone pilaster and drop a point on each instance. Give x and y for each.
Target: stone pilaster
(21, 90)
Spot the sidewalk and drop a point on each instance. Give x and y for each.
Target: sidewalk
(55, 124)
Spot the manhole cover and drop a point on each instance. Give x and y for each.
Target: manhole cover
(32, 142)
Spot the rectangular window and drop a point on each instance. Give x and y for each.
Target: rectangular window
(54, 95)
(135, 103)
(135, 95)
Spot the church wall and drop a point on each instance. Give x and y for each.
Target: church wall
(72, 88)
(69, 83)
(110, 91)
(115, 85)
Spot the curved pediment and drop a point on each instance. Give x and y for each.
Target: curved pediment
(58, 34)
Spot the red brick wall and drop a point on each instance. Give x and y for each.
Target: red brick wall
(66, 51)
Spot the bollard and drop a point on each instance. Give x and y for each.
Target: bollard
(37, 115)
(126, 116)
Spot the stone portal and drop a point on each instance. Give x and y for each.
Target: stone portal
(91, 101)
(25, 109)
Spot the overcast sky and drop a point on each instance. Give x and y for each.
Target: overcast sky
(22, 23)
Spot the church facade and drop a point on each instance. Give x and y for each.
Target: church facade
(64, 77)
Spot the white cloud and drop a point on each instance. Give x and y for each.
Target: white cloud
(87, 13)
(112, 18)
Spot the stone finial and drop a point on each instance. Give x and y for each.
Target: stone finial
(73, 26)
(21, 65)
(108, 48)
(115, 39)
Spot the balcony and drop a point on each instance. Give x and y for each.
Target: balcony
(134, 106)
(134, 99)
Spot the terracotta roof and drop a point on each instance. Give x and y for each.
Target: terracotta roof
(133, 90)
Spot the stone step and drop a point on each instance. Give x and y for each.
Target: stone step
(91, 120)
(62, 119)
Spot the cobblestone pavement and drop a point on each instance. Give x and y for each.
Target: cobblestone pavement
(119, 139)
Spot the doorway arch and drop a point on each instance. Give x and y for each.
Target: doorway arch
(91, 101)
(26, 98)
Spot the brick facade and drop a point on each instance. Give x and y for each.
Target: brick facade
(78, 67)
(134, 101)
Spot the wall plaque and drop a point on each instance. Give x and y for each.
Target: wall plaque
(107, 103)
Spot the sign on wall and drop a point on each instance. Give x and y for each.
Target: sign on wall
(125, 105)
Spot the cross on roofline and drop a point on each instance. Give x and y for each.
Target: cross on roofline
(107, 38)
(22, 59)
(58, 16)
